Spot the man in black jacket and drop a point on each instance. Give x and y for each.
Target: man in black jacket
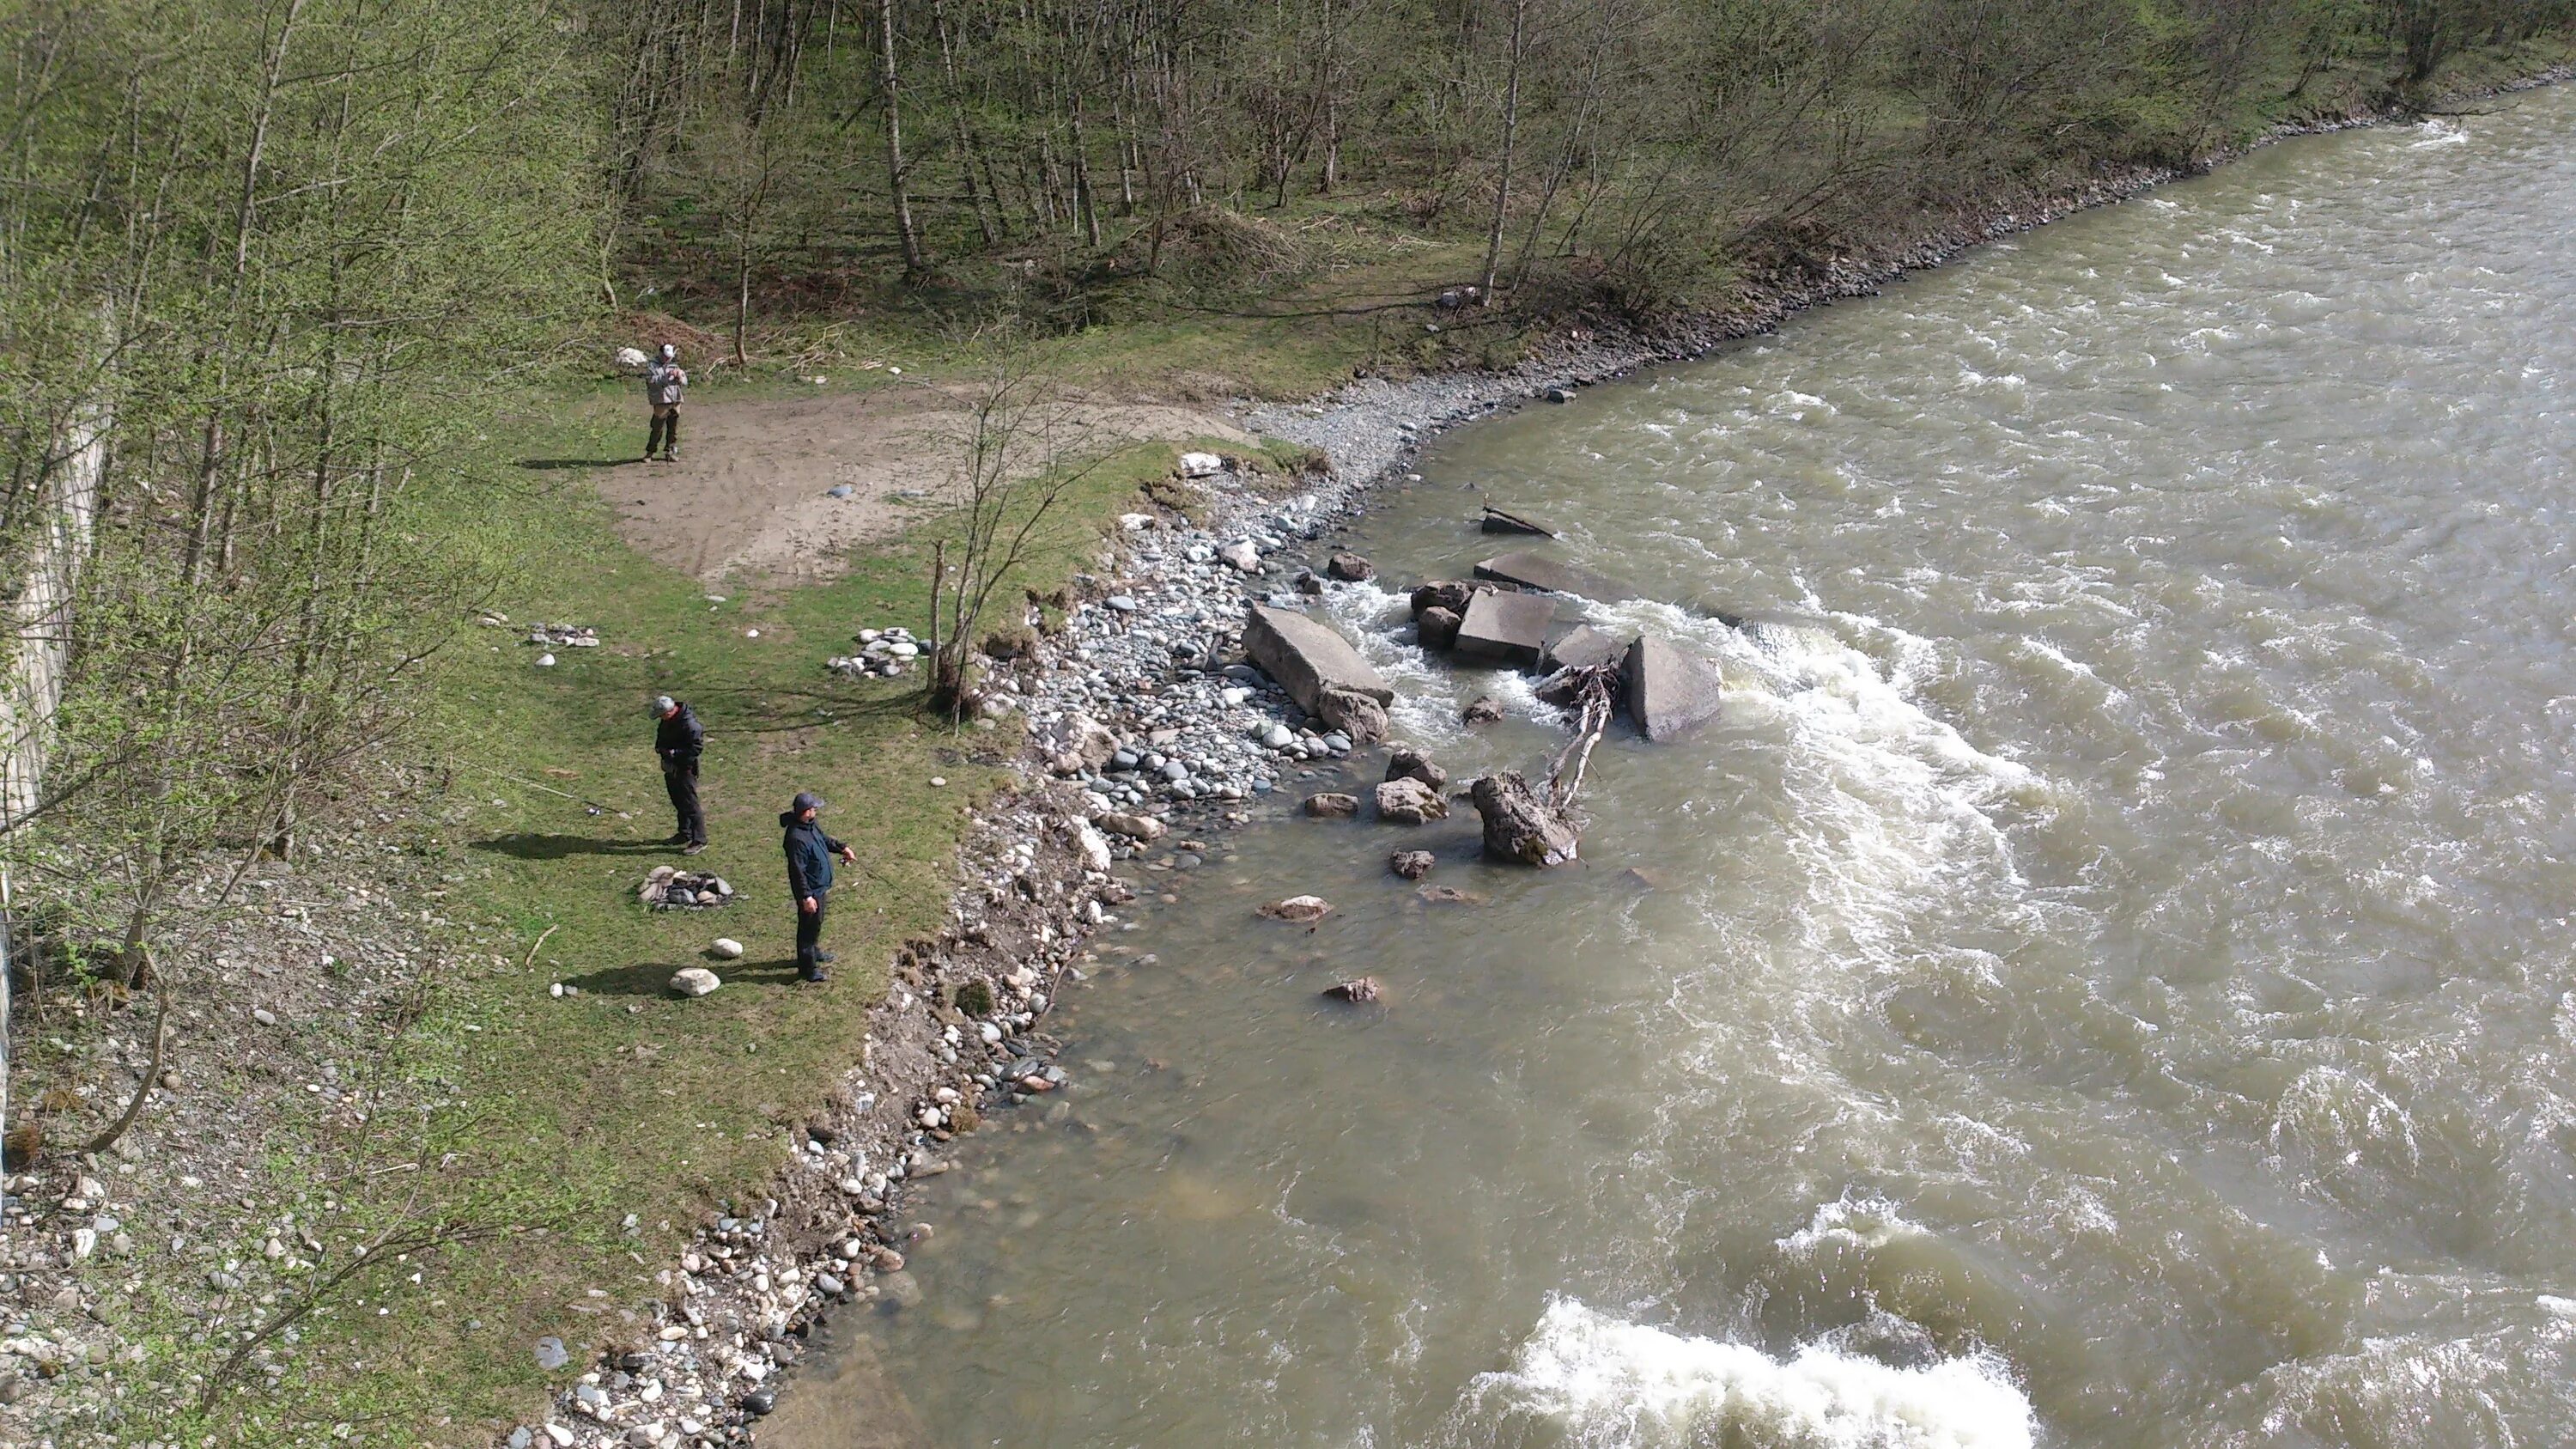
(679, 740)
(809, 879)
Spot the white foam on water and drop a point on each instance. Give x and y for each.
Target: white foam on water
(1865, 1221)
(1605, 1383)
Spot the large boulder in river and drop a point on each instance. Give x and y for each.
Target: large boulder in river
(1520, 827)
(1350, 568)
(1360, 716)
(1437, 628)
(1667, 692)
(1311, 661)
(1410, 802)
(1450, 594)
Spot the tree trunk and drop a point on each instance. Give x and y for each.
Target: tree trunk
(913, 265)
(1511, 135)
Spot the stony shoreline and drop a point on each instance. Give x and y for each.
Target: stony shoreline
(1146, 667)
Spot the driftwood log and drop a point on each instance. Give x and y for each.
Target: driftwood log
(1529, 826)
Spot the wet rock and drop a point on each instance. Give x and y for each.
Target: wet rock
(1364, 989)
(1437, 628)
(1410, 802)
(1332, 805)
(1581, 648)
(1530, 570)
(901, 1289)
(1499, 520)
(1412, 864)
(1450, 594)
(1350, 568)
(760, 1403)
(694, 981)
(1637, 879)
(1134, 827)
(1298, 908)
(1505, 629)
(1560, 394)
(1520, 828)
(1361, 718)
(1448, 896)
(1405, 762)
(1309, 660)
(1666, 691)
(1485, 709)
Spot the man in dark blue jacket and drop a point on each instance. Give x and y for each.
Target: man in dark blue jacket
(679, 740)
(809, 879)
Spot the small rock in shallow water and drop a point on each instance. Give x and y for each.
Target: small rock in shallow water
(1412, 864)
(1332, 805)
(1486, 710)
(1364, 989)
(1410, 802)
(1298, 908)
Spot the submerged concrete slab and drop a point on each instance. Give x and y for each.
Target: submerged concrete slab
(1581, 647)
(1530, 570)
(1666, 691)
(1507, 629)
(1501, 520)
(1308, 658)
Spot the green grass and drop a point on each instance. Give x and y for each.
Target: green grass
(567, 1114)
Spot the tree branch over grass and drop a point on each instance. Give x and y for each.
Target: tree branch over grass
(1007, 486)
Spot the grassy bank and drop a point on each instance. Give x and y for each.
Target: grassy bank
(582, 1137)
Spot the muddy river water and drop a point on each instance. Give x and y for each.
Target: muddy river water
(2106, 980)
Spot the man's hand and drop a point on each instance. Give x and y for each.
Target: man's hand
(810, 906)
(850, 854)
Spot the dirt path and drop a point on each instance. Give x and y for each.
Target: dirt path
(750, 492)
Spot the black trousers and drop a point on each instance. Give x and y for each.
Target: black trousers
(663, 435)
(809, 934)
(682, 783)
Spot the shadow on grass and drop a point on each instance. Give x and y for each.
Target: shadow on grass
(549, 465)
(563, 847)
(653, 978)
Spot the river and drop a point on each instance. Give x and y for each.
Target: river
(2106, 979)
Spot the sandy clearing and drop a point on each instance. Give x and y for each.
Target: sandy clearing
(748, 494)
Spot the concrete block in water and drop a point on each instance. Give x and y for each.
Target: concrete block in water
(1529, 570)
(1581, 648)
(1505, 629)
(1308, 658)
(1666, 691)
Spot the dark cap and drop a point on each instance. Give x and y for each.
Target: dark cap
(805, 800)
